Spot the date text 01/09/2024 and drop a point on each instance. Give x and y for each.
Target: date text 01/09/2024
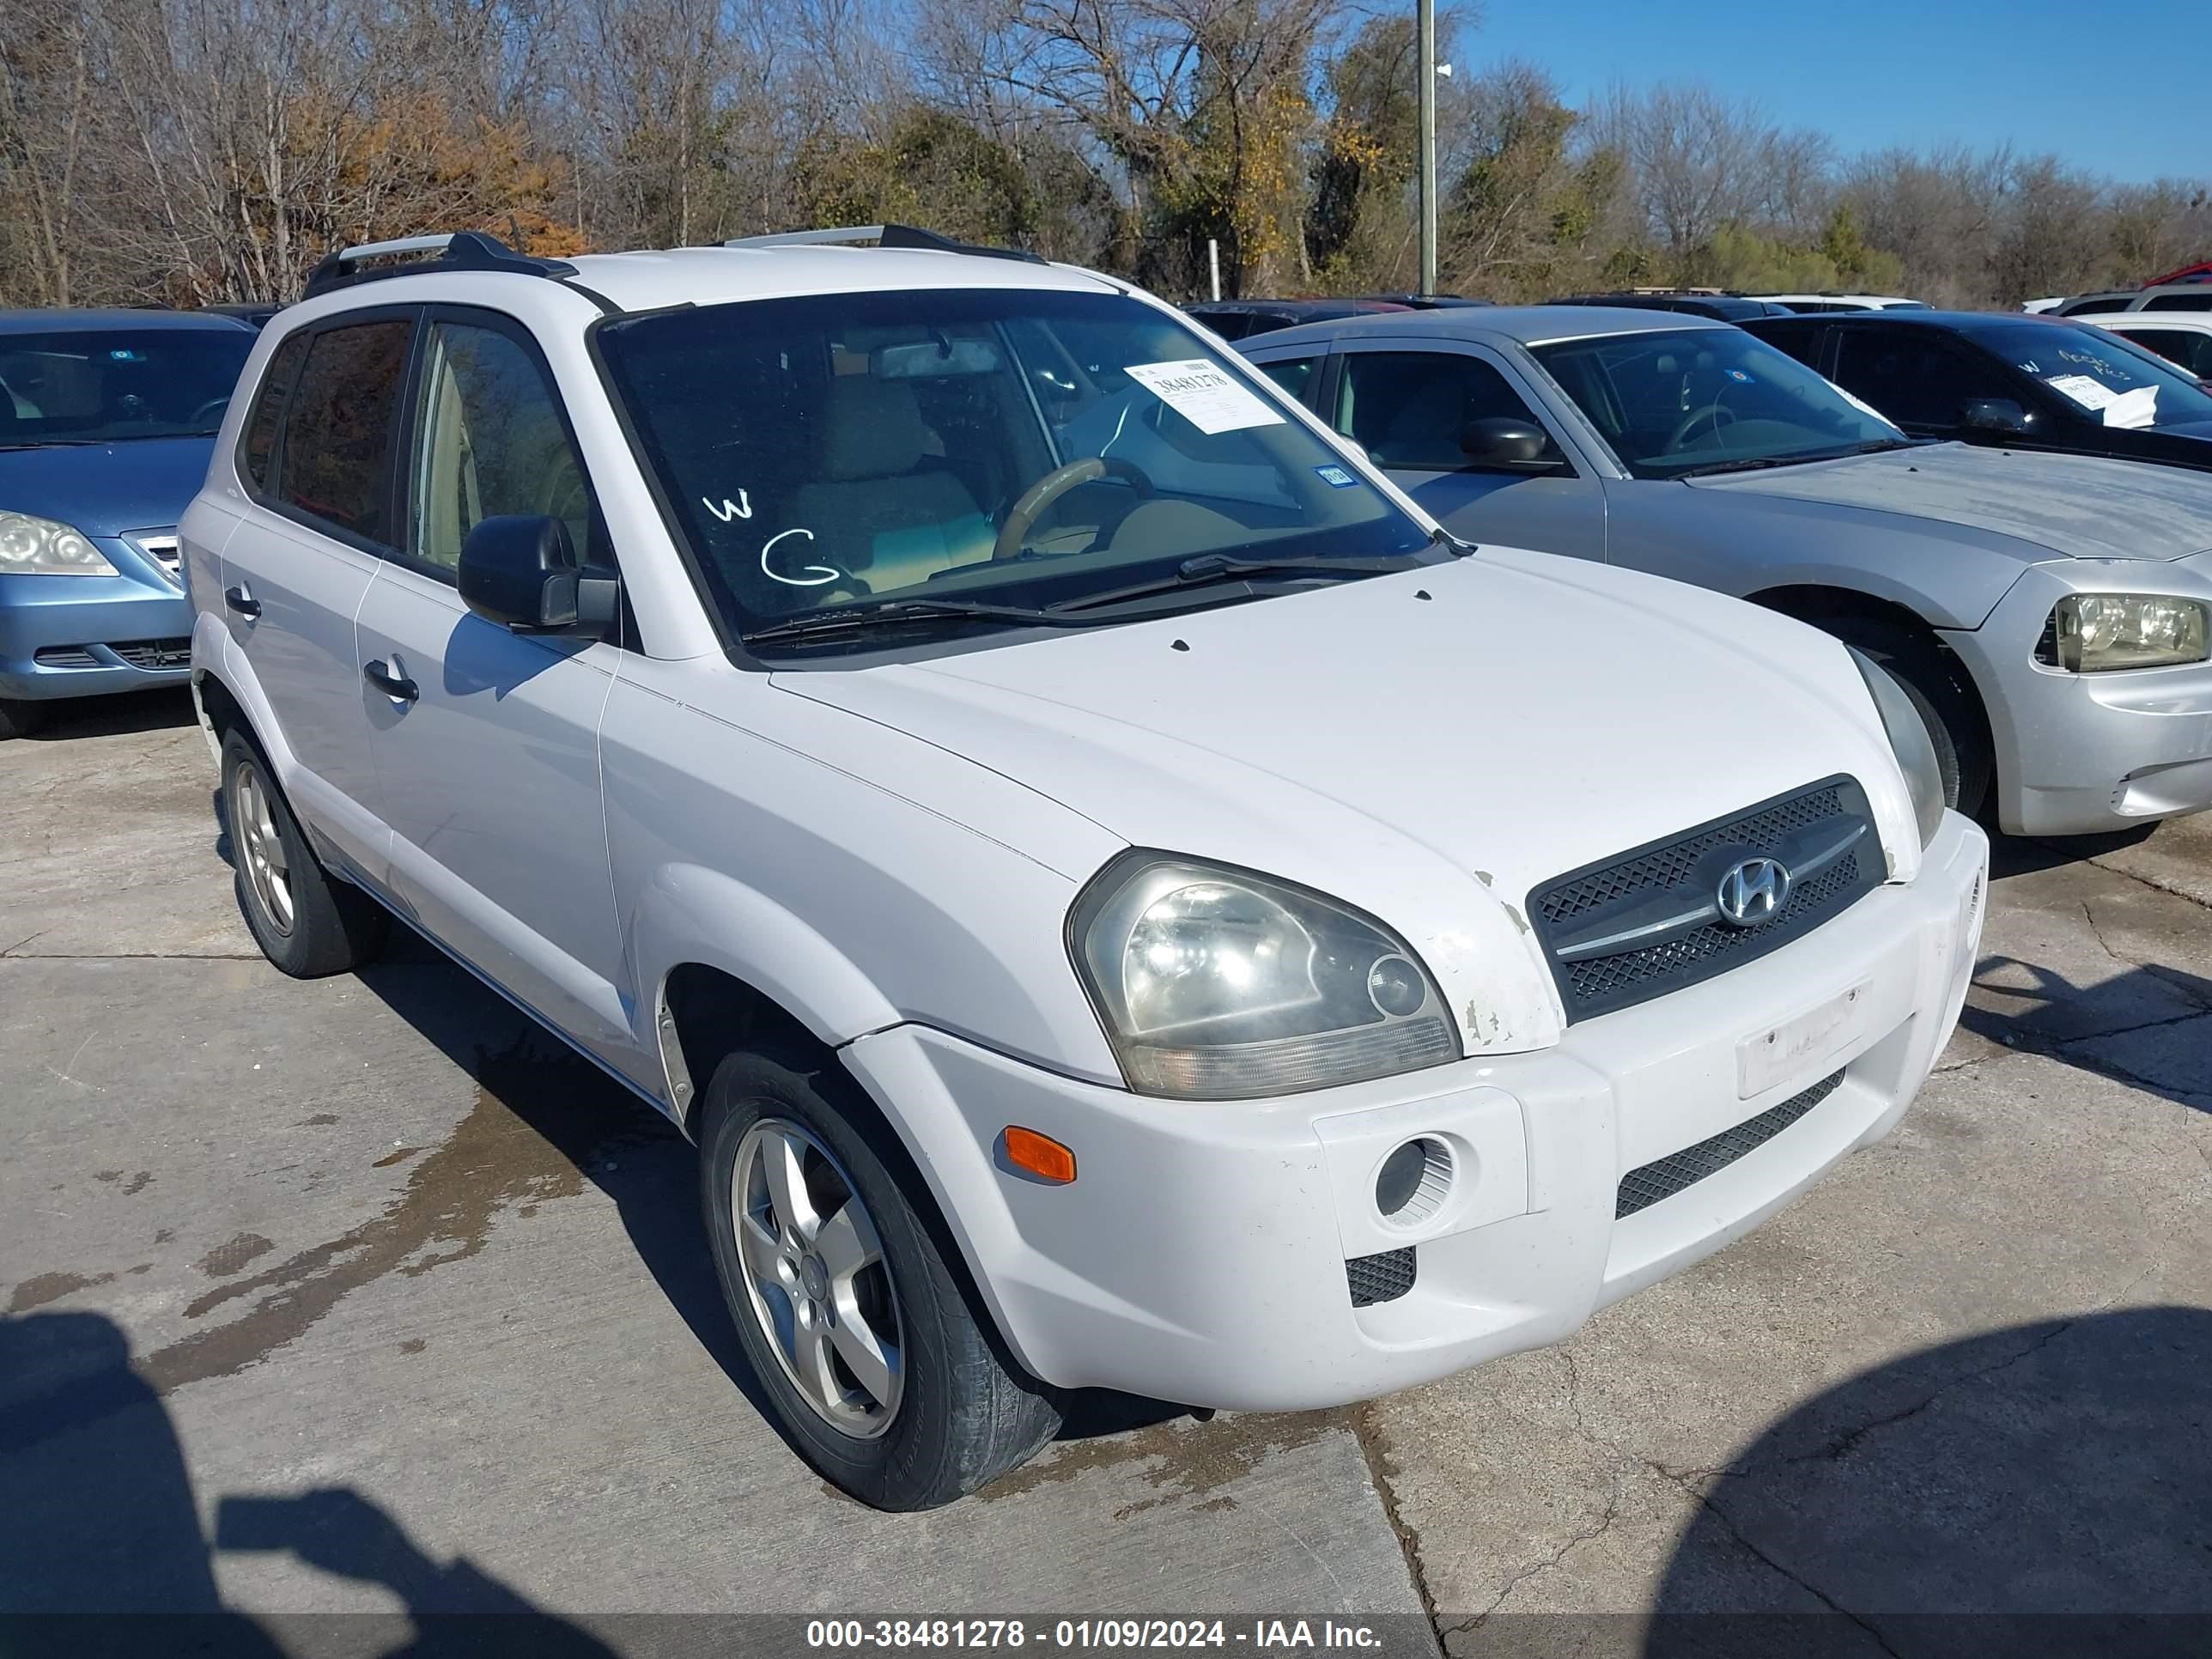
(1256, 1635)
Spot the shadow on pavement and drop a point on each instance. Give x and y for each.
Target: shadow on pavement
(100, 1519)
(2045, 1489)
(115, 716)
(2106, 1016)
(626, 1148)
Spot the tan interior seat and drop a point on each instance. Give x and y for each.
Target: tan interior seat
(873, 512)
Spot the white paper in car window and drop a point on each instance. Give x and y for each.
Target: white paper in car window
(1204, 394)
(2136, 408)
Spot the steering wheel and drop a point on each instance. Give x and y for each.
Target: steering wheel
(1030, 508)
(212, 406)
(1707, 411)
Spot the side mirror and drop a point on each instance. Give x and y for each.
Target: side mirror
(1502, 441)
(520, 572)
(1999, 416)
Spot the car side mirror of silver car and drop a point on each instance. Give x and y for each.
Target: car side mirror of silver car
(519, 570)
(2000, 417)
(1503, 441)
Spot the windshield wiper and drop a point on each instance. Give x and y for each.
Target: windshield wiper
(57, 443)
(854, 619)
(1208, 568)
(1753, 463)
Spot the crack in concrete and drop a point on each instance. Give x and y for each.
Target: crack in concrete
(1706, 1504)
(1549, 1563)
(1375, 1450)
(1843, 1444)
(21, 942)
(2151, 882)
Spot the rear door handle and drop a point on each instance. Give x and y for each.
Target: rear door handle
(242, 602)
(399, 687)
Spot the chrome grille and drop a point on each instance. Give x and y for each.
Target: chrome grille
(165, 549)
(1646, 922)
(155, 653)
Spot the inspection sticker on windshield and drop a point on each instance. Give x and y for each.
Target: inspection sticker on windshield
(2136, 408)
(1336, 477)
(1204, 394)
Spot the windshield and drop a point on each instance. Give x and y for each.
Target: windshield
(2106, 377)
(1686, 399)
(104, 386)
(1013, 447)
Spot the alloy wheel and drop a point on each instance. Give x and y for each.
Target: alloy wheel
(816, 1279)
(262, 847)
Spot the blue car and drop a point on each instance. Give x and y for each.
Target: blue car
(107, 422)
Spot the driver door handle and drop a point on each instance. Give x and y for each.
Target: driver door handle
(399, 687)
(242, 602)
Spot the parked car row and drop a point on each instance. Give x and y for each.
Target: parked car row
(1122, 890)
(2045, 612)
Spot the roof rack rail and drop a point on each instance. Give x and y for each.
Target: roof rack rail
(459, 250)
(900, 236)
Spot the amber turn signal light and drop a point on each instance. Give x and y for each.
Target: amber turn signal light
(1039, 1155)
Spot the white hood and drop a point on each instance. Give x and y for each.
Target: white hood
(1429, 746)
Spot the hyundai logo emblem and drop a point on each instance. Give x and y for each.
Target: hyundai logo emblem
(1752, 892)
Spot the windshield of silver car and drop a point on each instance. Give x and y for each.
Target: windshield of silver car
(108, 385)
(978, 448)
(1681, 401)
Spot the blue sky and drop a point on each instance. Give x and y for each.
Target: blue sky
(1872, 73)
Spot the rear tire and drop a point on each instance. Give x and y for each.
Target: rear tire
(959, 1415)
(306, 922)
(1937, 685)
(19, 718)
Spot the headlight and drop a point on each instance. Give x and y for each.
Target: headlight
(2093, 633)
(1217, 984)
(39, 547)
(1908, 736)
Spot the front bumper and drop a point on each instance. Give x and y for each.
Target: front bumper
(2088, 754)
(1199, 1255)
(84, 637)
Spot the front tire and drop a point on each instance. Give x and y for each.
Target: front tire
(1937, 685)
(864, 1336)
(306, 922)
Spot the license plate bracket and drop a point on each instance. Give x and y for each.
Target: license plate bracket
(1804, 1044)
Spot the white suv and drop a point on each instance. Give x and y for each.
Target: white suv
(1119, 899)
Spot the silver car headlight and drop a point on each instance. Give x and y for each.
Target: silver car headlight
(1214, 983)
(41, 547)
(1908, 736)
(2096, 633)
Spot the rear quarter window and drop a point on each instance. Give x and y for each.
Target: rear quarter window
(335, 461)
(261, 428)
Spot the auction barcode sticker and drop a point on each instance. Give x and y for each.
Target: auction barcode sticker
(1204, 394)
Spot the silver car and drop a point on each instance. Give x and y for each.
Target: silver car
(2047, 613)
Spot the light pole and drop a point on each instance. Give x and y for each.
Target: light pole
(1426, 13)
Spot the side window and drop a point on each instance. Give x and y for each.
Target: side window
(1912, 377)
(489, 442)
(269, 409)
(1293, 375)
(337, 433)
(2180, 302)
(1409, 409)
(1803, 344)
(2192, 351)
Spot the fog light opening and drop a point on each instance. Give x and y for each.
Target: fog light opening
(1413, 1182)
